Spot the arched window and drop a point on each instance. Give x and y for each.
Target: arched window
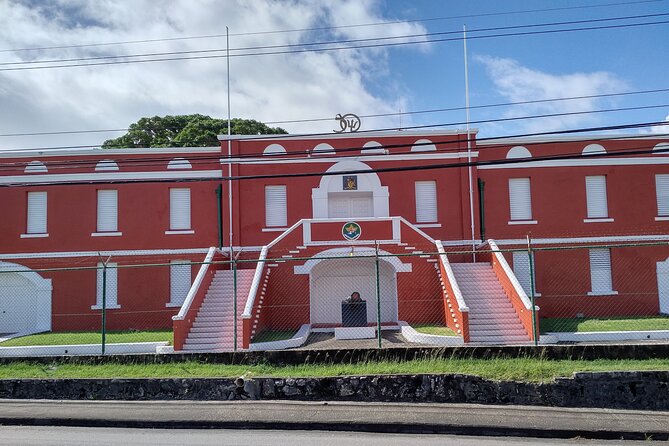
(323, 149)
(274, 149)
(518, 152)
(106, 166)
(36, 167)
(593, 148)
(662, 148)
(179, 163)
(423, 145)
(371, 147)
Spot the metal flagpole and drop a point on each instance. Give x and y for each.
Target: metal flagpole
(469, 143)
(227, 44)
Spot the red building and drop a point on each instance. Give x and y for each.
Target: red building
(406, 193)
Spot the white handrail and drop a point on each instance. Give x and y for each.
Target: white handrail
(196, 285)
(512, 277)
(257, 276)
(412, 226)
(462, 306)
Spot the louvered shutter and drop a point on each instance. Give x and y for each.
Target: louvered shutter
(662, 191)
(520, 199)
(107, 211)
(426, 201)
(600, 271)
(36, 213)
(179, 209)
(276, 214)
(180, 281)
(521, 268)
(111, 289)
(595, 187)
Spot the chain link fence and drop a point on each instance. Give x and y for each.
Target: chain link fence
(316, 297)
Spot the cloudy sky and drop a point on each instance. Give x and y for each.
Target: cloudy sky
(56, 74)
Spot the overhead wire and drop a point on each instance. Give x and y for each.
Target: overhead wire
(323, 28)
(639, 150)
(297, 156)
(353, 47)
(332, 42)
(377, 115)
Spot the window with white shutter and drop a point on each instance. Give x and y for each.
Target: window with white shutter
(180, 281)
(520, 199)
(521, 269)
(36, 213)
(426, 202)
(595, 187)
(600, 272)
(276, 211)
(180, 209)
(107, 211)
(110, 289)
(662, 192)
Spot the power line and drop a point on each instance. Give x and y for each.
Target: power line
(299, 155)
(322, 28)
(378, 115)
(332, 42)
(640, 150)
(339, 48)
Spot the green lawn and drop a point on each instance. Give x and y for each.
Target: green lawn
(90, 337)
(518, 369)
(269, 335)
(604, 324)
(433, 329)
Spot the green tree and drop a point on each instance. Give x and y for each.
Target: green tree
(186, 131)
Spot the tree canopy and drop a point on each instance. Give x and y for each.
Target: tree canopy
(186, 131)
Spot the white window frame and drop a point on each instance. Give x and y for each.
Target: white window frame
(596, 199)
(662, 195)
(111, 290)
(181, 280)
(520, 201)
(107, 213)
(521, 269)
(36, 215)
(426, 201)
(180, 211)
(601, 276)
(276, 206)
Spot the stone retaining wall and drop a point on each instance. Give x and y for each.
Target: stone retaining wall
(620, 390)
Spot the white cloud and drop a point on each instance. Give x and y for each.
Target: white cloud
(267, 88)
(661, 129)
(516, 83)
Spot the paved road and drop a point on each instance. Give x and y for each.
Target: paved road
(428, 418)
(101, 436)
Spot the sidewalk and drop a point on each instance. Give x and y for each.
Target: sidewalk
(465, 419)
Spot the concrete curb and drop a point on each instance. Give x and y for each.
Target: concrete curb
(462, 419)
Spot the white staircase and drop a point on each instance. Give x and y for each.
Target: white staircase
(213, 326)
(492, 319)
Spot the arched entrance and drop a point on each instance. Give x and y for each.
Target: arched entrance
(332, 281)
(25, 300)
(350, 195)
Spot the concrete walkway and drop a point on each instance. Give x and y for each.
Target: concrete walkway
(466, 419)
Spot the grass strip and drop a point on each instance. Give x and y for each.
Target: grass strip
(89, 337)
(604, 324)
(516, 369)
(432, 329)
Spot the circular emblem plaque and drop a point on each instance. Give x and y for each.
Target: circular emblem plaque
(351, 230)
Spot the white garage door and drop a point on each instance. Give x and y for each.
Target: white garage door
(25, 306)
(332, 281)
